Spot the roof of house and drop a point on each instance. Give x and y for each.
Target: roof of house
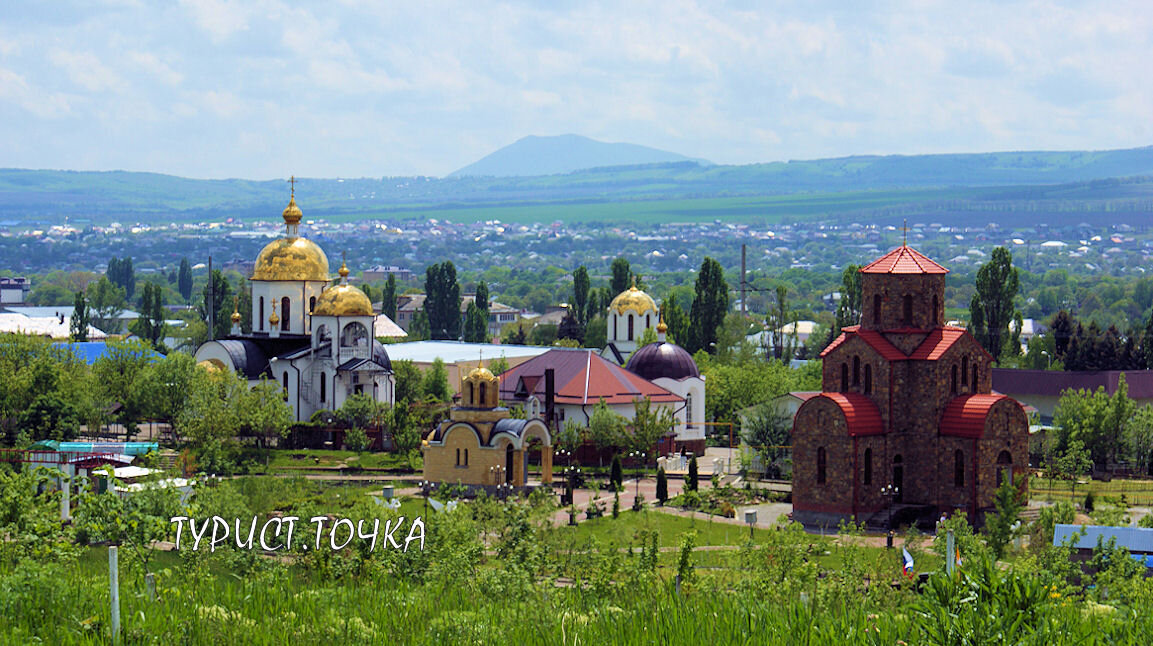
(1054, 382)
(875, 339)
(903, 260)
(964, 416)
(456, 351)
(415, 302)
(1135, 539)
(938, 343)
(50, 326)
(581, 377)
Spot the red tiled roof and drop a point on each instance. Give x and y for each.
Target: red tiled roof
(965, 415)
(938, 342)
(875, 339)
(903, 260)
(861, 414)
(581, 377)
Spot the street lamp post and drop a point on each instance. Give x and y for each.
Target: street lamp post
(571, 474)
(426, 488)
(1049, 357)
(640, 471)
(890, 492)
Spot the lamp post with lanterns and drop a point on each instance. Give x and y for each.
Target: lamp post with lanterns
(890, 492)
(426, 489)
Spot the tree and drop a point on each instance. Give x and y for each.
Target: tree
(767, 429)
(121, 273)
(482, 299)
(217, 294)
(662, 485)
(606, 428)
(615, 476)
(117, 373)
(991, 308)
(622, 276)
(150, 325)
(475, 324)
(596, 332)
(164, 385)
(849, 307)
(691, 481)
(676, 320)
(78, 325)
(1096, 419)
(710, 305)
(570, 327)
(434, 384)
(388, 298)
(649, 424)
(1139, 438)
(442, 301)
(999, 529)
(783, 343)
(184, 280)
(580, 295)
(50, 417)
(515, 336)
(1062, 329)
(419, 329)
(1074, 462)
(106, 303)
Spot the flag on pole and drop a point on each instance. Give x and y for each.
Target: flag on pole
(908, 569)
(958, 557)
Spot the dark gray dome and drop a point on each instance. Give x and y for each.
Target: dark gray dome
(380, 356)
(662, 359)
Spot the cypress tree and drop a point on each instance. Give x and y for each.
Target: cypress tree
(615, 472)
(662, 485)
(388, 298)
(184, 280)
(691, 480)
(710, 305)
(81, 319)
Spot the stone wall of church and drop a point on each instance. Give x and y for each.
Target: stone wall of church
(873, 374)
(891, 290)
(951, 496)
(821, 424)
(440, 462)
(1006, 429)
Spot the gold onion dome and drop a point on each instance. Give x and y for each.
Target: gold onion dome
(343, 299)
(273, 318)
(633, 299)
(291, 257)
(292, 213)
(212, 365)
(236, 311)
(480, 373)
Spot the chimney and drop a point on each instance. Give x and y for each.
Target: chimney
(549, 393)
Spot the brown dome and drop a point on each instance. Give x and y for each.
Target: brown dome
(662, 359)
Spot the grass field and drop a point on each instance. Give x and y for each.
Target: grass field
(1135, 492)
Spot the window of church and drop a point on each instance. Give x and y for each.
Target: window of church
(959, 468)
(355, 335)
(844, 377)
(261, 314)
(907, 311)
(311, 304)
(856, 370)
(286, 383)
(630, 337)
(324, 341)
(821, 465)
(458, 457)
(471, 395)
(1004, 467)
(648, 321)
(323, 387)
(689, 410)
(868, 466)
(868, 378)
(483, 395)
(465, 458)
(877, 310)
(285, 312)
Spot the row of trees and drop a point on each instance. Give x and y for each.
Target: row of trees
(1111, 429)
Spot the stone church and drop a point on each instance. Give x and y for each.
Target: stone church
(906, 423)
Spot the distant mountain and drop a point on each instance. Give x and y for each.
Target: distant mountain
(564, 154)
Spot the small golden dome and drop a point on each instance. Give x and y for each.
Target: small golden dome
(480, 373)
(236, 318)
(212, 365)
(291, 259)
(343, 300)
(236, 310)
(633, 299)
(292, 213)
(343, 270)
(273, 318)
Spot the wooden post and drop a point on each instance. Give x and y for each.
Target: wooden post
(114, 583)
(150, 581)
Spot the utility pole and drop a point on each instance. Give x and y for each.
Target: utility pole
(210, 305)
(744, 294)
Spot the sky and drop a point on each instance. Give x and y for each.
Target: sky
(264, 89)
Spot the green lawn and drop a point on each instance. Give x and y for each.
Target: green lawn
(1136, 492)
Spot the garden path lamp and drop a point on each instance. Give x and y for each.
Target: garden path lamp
(751, 519)
(639, 455)
(890, 492)
(426, 489)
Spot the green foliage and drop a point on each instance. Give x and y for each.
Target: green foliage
(710, 305)
(649, 425)
(615, 477)
(991, 309)
(50, 417)
(580, 288)
(606, 428)
(150, 325)
(356, 440)
(442, 301)
(475, 324)
(217, 294)
(849, 307)
(106, 303)
(388, 298)
(622, 276)
(434, 384)
(596, 332)
(676, 320)
(184, 280)
(1088, 505)
(121, 274)
(361, 410)
(686, 573)
(1097, 420)
(80, 320)
(692, 479)
(617, 502)
(408, 381)
(420, 329)
(768, 430)
(999, 528)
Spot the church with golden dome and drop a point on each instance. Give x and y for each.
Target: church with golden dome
(311, 335)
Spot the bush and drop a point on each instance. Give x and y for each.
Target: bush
(1089, 501)
(615, 476)
(663, 486)
(356, 440)
(691, 479)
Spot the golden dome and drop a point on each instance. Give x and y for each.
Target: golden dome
(212, 365)
(292, 213)
(343, 300)
(273, 318)
(633, 299)
(480, 373)
(236, 310)
(291, 259)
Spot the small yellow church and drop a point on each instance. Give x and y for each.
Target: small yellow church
(480, 444)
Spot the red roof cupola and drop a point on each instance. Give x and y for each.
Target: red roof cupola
(903, 260)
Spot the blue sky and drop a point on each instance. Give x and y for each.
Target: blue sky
(269, 88)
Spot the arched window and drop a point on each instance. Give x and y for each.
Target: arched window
(974, 376)
(1004, 467)
(868, 378)
(907, 311)
(856, 370)
(613, 331)
(285, 313)
(959, 468)
(954, 387)
(458, 457)
(935, 318)
(323, 387)
(261, 317)
(868, 466)
(689, 410)
(877, 310)
(355, 335)
(964, 371)
(324, 341)
(648, 321)
(483, 394)
(285, 382)
(465, 458)
(844, 377)
(821, 465)
(311, 304)
(471, 395)
(630, 337)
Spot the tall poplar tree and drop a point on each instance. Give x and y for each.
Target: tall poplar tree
(442, 301)
(580, 295)
(710, 305)
(184, 280)
(622, 276)
(991, 309)
(388, 298)
(78, 325)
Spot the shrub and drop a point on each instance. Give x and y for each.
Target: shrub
(1089, 501)
(663, 486)
(615, 476)
(356, 440)
(691, 480)
(617, 503)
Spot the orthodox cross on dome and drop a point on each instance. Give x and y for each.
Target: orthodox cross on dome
(292, 188)
(905, 233)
